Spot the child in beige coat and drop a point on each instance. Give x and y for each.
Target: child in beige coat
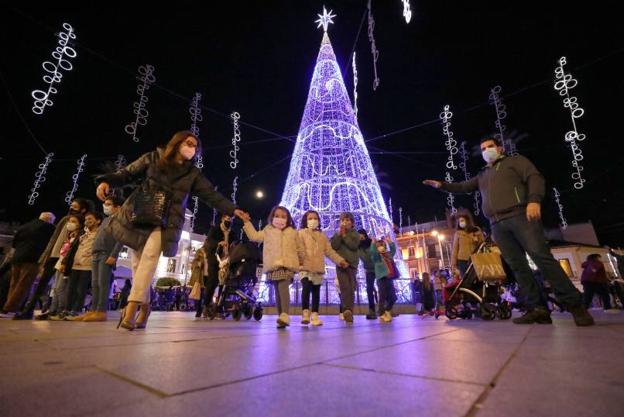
(282, 256)
(317, 247)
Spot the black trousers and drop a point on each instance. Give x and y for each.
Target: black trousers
(309, 288)
(591, 288)
(370, 290)
(42, 285)
(78, 284)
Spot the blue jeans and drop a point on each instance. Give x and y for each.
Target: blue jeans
(463, 267)
(100, 282)
(515, 237)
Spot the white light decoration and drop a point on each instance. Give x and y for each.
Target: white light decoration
(391, 211)
(325, 19)
(235, 116)
(147, 78)
(451, 146)
(564, 223)
(330, 170)
(401, 220)
(371, 38)
(563, 84)
(120, 162)
(54, 70)
(501, 114)
(355, 81)
(196, 116)
(407, 11)
(463, 152)
(214, 211)
(39, 178)
(69, 196)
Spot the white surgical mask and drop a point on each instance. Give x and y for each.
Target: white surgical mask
(462, 224)
(187, 152)
(108, 210)
(490, 155)
(279, 222)
(313, 224)
(71, 227)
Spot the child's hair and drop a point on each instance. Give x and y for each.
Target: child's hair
(78, 217)
(96, 214)
(116, 200)
(289, 221)
(304, 219)
(348, 216)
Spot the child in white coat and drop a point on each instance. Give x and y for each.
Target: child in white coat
(282, 256)
(317, 247)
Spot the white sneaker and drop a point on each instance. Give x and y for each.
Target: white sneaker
(388, 316)
(341, 316)
(305, 319)
(315, 320)
(283, 321)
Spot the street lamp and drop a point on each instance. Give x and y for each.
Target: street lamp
(259, 194)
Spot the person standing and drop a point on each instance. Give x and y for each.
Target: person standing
(28, 244)
(466, 241)
(595, 281)
(511, 191)
(369, 269)
(346, 242)
(168, 173)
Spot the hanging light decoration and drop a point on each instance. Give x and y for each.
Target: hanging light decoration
(69, 196)
(146, 78)
(39, 178)
(451, 146)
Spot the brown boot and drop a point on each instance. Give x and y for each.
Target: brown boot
(144, 314)
(96, 316)
(127, 319)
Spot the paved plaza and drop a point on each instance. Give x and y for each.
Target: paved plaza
(180, 366)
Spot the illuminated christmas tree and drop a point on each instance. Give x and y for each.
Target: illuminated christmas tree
(331, 170)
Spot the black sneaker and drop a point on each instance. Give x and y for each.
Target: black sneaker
(538, 315)
(581, 316)
(371, 315)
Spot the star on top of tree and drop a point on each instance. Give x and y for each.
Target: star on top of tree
(325, 19)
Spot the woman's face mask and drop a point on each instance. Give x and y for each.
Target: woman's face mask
(71, 226)
(462, 224)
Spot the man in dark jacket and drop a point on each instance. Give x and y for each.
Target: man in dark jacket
(29, 243)
(216, 240)
(50, 256)
(512, 190)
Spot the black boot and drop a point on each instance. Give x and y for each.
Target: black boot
(538, 315)
(371, 315)
(581, 316)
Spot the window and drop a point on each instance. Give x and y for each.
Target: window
(412, 252)
(565, 264)
(171, 265)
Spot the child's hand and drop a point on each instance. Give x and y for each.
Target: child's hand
(243, 215)
(343, 264)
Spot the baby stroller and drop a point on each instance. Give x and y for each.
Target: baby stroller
(478, 292)
(237, 297)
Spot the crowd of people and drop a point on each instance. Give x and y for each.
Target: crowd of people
(81, 250)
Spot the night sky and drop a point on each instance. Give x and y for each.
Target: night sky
(257, 58)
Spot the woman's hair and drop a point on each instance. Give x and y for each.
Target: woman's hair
(116, 200)
(167, 159)
(593, 257)
(366, 242)
(85, 204)
(289, 219)
(348, 216)
(426, 279)
(470, 225)
(304, 219)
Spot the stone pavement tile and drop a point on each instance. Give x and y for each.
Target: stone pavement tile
(317, 391)
(52, 393)
(491, 332)
(534, 387)
(476, 362)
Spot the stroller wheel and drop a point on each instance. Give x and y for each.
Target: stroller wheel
(488, 311)
(451, 313)
(237, 313)
(247, 311)
(504, 311)
(257, 314)
(211, 311)
(467, 312)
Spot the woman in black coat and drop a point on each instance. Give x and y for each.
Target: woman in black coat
(170, 169)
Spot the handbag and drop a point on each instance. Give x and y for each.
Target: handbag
(151, 205)
(195, 291)
(488, 266)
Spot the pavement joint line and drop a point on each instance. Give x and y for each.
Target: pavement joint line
(141, 385)
(478, 403)
(379, 371)
(298, 367)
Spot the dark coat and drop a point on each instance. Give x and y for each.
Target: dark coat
(182, 180)
(214, 236)
(31, 240)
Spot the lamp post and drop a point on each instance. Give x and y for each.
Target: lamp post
(440, 239)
